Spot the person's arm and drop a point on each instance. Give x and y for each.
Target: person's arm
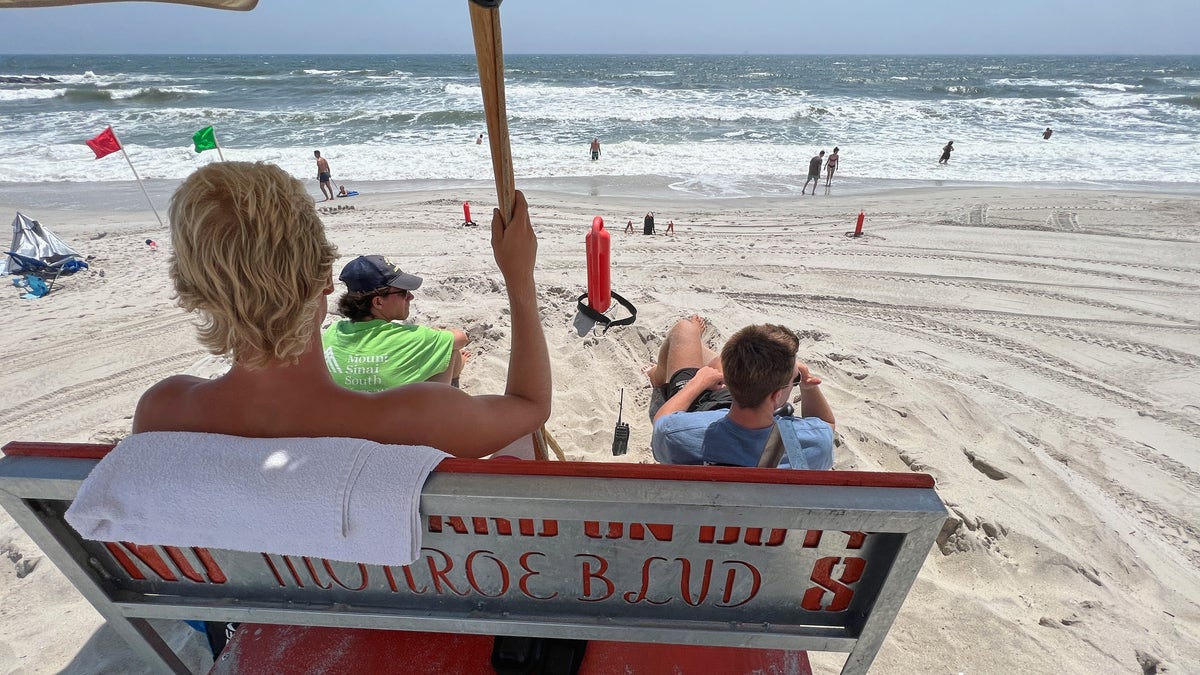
(705, 378)
(515, 247)
(812, 401)
(473, 426)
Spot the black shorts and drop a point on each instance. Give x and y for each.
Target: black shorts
(323, 176)
(707, 400)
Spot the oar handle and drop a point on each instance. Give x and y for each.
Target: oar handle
(489, 52)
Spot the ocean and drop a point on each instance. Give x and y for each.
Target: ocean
(708, 126)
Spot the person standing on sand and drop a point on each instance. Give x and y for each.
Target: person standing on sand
(814, 172)
(629, 227)
(324, 176)
(946, 153)
(710, 409)
(648, 223)
(595, 149)
(830, 166)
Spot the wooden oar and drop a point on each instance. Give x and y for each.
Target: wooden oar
(489, 52)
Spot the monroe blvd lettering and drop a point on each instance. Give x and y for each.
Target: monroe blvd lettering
(527, 562)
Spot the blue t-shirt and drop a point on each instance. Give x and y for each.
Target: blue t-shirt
(710, 437)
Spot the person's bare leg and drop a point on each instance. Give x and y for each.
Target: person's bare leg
(683, 348)
(457, 363)
(452, 371)
(444, 377)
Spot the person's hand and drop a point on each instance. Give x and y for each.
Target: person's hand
(514, 244)
(804, 378)
(710, 377)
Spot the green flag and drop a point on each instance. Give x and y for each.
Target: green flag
(205, 139)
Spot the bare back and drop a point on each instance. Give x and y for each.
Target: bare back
(286, 395)
(296, 401)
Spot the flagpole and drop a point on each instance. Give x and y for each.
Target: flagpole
(218, 145)
(139, 178)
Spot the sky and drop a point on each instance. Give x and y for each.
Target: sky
(616, 27)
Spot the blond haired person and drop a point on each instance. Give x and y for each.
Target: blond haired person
(251, 258)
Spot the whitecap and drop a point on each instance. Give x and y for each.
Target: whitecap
(29, 94)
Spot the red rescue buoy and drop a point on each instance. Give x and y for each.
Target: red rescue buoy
(858, 227)
(599, 291)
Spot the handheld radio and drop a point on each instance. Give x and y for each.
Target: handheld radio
(621, 433)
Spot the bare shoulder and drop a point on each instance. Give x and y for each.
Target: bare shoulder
(156, 408)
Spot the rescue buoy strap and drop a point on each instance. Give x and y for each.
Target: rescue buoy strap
(603, 320)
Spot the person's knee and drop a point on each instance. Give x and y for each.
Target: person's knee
(443, 377)
(682, 331)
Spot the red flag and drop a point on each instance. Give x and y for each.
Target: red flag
(104, 144)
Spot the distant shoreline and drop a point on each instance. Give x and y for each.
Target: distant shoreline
(124, 196)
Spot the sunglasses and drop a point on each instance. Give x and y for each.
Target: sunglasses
(395, 292)
(794, 382)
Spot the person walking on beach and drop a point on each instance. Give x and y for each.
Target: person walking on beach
(830, 166)
(648, 223)
(721, 409)
(814, 172)
(629, 227)
(324, 176)
(595, 149)
(369, 351)
(946, 153)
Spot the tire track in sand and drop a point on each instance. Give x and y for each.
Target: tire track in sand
(979, 343)
(137, 378)
(116, 337)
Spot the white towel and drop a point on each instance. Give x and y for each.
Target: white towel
(336, 498)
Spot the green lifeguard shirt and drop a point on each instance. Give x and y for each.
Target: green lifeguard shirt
(377, 355)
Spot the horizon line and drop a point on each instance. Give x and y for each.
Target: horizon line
(714, 54)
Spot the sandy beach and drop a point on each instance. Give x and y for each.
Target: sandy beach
(1036, 350)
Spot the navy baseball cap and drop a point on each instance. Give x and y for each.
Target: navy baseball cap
(369, 272)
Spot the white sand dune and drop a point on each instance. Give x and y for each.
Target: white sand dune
(1036, 351)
